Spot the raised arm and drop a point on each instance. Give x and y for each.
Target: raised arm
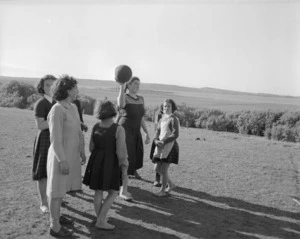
(121, 150)
(121, 97)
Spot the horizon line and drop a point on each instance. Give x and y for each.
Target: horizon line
(182, 86)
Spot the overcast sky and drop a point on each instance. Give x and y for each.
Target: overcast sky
(241, 45)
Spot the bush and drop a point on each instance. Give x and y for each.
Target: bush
(290, 119)
(32, 99)
(16, 94)
(243, 122)
(87, 104)
(283, 133)
(186, 115)
(257, 123)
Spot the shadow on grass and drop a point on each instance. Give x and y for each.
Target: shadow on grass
(125, 228)
(186, 213)
(189, 213)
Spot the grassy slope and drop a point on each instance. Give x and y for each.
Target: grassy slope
(229, 186)
(199, 98)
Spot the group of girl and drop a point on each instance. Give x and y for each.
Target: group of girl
(116, 148)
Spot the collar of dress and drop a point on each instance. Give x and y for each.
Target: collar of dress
(47, 97)
(66, 105)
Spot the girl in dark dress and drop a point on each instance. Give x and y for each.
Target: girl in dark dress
(108, 156)
(132, 119)
(42, 140)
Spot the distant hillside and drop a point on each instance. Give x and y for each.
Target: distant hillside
(150, 87)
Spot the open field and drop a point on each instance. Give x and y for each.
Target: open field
(200, 98)
(229, 186)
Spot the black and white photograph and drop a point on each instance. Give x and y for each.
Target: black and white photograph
(150, 119)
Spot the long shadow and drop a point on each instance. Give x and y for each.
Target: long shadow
(237, 203)
(123, 229)
(197, 214)
(82, 196)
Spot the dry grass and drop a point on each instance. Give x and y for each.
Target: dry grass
(229, 186)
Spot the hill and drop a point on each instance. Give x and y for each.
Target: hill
(200, 98)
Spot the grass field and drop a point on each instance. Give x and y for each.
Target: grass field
(229, 186)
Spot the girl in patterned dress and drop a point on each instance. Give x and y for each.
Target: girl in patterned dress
(108, 158)
(166, 150)
(42, 140)
(66, 151)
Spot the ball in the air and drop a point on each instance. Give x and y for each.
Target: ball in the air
(123, 74)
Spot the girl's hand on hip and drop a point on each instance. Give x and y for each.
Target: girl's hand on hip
(64, 167)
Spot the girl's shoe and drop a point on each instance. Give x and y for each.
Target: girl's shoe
(105, 226)
(44, 209)
(156, 184)
(63, 232)
(127, 198)
(170, 188)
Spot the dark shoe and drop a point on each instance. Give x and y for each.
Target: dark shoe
(63, 232)
(137, 176)
(156, 184)
(157, 177)
(65, 221)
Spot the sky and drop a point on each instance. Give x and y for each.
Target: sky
(243, 45)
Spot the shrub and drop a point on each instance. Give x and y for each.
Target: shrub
(243, 122)
(257, 123)
(87, 104)
(289, 118)
(32, 99)
(16, 94)
(186, 115)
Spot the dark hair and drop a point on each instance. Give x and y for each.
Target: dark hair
(41, 82)
(61, 86)
(161, 108)
(172, 102)
(104, 110)
(132, 79)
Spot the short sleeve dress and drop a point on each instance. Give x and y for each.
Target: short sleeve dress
(66, 144)
(130, 118)
(103, 171)
(42, 141)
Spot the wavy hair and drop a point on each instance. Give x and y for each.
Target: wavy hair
(104, 110)
(41, 82)
(132, 79)
(61, 86)
(173, 104)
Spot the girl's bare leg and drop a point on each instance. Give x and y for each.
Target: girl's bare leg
(42, 185)
(101, 220)
(98, 202)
